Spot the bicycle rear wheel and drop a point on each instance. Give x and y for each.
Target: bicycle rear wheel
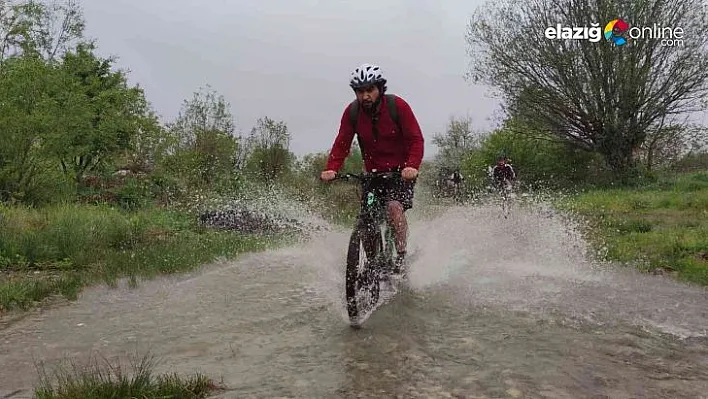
(362, 279)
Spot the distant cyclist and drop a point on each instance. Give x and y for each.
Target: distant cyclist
(456, 178)
(503, 173)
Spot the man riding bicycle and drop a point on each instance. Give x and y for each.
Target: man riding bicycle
(503, 173)
(388, 142)
(456, 178)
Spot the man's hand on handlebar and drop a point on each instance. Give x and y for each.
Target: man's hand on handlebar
(328, 175)
(409, 173)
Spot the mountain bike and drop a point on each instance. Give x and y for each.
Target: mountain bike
(374, 233)
(503, 188)
(457, 192)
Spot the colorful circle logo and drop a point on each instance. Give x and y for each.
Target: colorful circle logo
(614, 30)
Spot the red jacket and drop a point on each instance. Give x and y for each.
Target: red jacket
(388, 151)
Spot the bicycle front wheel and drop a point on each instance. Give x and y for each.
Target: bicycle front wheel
(362, 280)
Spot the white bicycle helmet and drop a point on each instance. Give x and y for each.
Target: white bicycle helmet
(365, 75)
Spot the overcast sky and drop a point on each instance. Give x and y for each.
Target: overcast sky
(291, 59)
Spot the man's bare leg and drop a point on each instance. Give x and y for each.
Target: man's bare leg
(397, 218)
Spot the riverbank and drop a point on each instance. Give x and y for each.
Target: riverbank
(660, 228)
(58, 250)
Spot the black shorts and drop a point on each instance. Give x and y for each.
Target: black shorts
(393, 190)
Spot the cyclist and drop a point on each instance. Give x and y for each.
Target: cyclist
(388, 142)
(456, 178)
(503, 173)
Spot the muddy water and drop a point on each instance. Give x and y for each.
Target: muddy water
(494, 308)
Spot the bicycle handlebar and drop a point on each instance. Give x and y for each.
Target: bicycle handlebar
(367, 175)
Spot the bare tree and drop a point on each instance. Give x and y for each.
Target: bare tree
(597, 95)
(668, 143)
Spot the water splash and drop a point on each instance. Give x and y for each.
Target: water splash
(536, 260)
(255, 208)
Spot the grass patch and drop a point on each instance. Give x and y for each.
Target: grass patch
(21, 292)
(104, 380)
(662, 225)
(60, 249)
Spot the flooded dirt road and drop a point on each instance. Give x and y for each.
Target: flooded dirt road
(495, 308)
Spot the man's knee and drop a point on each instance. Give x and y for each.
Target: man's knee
(396, 213)
(394, 208)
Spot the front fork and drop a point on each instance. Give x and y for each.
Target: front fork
(379, 253)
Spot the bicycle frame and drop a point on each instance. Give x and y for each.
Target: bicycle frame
(501, 185)
(372, 213)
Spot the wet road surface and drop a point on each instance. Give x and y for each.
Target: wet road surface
(495, 308)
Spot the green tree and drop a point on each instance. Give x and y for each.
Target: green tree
(312, 165)
(204, 148)
(28, 170)
(454, 146)
(593, 94)
(457, 141)
(207, 110)
(98, 112)
(150, 145)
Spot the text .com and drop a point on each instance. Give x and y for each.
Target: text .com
(617, 32)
